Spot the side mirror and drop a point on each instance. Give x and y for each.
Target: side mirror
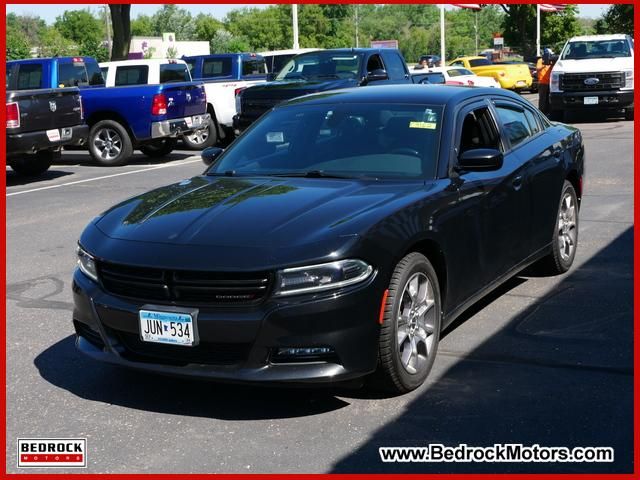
(271, 76)
(377, 75)
(480, 160)
(210, 154)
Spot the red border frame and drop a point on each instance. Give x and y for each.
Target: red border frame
(636, 291)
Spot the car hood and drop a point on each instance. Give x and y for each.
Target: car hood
(284, 90)
(594, 65)
(251, 212)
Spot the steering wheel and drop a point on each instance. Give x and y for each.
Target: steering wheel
(405, 151)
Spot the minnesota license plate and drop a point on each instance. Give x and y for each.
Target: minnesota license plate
(591, 100)
(173, 328)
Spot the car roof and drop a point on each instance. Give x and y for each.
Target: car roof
(290, 51)
(470, 57)
(396, 94)
(591, 38)
(142, 61)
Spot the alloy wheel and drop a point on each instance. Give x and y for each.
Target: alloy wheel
(108, 143)
(567, 232)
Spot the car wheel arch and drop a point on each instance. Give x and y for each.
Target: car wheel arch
(431, 249)
(113, 116)
(574, 179)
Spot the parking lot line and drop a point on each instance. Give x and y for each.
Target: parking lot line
(155, 167)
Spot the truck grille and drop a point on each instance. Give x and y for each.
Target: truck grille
(575, 82)
(254, 107)
(185, 287)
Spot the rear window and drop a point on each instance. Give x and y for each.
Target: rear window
(76, 74)
(132, 75)
(219, 67)
(479, 62)
(174, 72)
(253, 67)
(29, 76)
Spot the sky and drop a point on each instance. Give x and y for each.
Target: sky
(49, 12)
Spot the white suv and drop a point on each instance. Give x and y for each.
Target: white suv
(593, 72)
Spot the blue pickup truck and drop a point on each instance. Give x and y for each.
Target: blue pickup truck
(224, 76)
(144, 117)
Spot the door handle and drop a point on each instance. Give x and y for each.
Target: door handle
(517, 182)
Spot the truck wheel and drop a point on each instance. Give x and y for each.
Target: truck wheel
(410, 329)
(109, 143)
(34, 164)
(203, 138)
(628, 114)
(159, 148)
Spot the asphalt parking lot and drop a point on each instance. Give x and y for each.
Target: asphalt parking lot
(543, 361)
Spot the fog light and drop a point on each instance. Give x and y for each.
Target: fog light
(304, 351)
(302, 354)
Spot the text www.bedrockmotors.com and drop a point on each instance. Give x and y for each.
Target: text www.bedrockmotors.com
(509, 452)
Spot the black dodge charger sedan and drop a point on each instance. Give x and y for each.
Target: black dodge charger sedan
(334, 239)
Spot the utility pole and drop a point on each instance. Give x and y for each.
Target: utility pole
(107, 27)
(294, 13)
(357, 39)
(442, 49)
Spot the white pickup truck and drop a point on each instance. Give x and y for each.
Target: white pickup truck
(224, 76)
(593, 72)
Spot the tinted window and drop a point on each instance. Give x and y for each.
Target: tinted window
(94, 73)
(374, 63)
(456, 72)
(191, 64)
(29, 76)
(105, 71)
(174, 72)
(479, 62)
(533, 122)
(459, 63)
(321, 65)
(434, 78)
(9, 76)
(515, 124)
(377, 140)
(279, 61)
(395, 66)
(253, 67)
(479, 131)
(72, 74)
(132, 75)
(220, 67)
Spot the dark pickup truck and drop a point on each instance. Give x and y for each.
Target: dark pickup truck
(39, 123)
(320, 71)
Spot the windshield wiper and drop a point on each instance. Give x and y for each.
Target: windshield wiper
(308, 174)
(227, 173)
(327, 75)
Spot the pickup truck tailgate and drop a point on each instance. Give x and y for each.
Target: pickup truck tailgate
(185, 99)
(46, 109)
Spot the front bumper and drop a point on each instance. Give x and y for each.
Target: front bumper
(33, 142)
(608, 99)
(178, 126)
(238, 344)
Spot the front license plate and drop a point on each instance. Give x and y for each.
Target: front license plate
(591, 100)
(53, 135)
(173, 328)
(521, 83)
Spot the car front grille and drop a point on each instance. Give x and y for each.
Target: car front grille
(204, 353)
(575, 82)
(185, 287)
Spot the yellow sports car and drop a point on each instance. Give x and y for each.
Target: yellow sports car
(512, 76)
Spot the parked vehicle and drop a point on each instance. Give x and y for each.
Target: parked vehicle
(510, 76)
(224, 75)
(348, 229)
(145, 117)
(39, 123)
(426, 77)
(532, 70)
(458, 76)
(276, 59)
(432, 61)
(593, 73)
(144, 72)
(320, 71)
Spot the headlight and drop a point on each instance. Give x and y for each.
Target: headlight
(325, 276)
(87, 264)
(555, 82)
(628, 79)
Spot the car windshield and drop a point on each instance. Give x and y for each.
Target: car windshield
(317, 65)
(479, 62)
(338, 140)
(596, 49)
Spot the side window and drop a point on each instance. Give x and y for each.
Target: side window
(395, 66)
(479, 130)
(459, 63)
(104, 71)
(534, 126)
(191, 64)
(252, 67)
(72, 74)
(132, 75)
(29, 76)
(94, 74)
(174, 72)
(220, 67)
(374, 63)
(9, 76)
(515, 124)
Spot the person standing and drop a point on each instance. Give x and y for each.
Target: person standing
(544, 67)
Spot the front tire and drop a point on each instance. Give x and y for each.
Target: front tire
(203, 138)
(109, 143)
(159, 148)
(32, 165)
(411, 325)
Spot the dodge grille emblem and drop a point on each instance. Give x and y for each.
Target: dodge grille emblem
(188, 97)
(52, 106)
(591, 81)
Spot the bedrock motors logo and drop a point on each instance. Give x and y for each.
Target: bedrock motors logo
(52, 452)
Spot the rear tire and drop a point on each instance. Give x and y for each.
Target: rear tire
(628, 114)
(159, 148)
(203, 138)
(565, 234)
(32, 165)
(109, 143)
(410, 330)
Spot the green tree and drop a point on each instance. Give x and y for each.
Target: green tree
(171, 18)
(206, 27)
(557, 28)
(97, 49)
(30, 26)
(53, 44)
(143, 26)
(79, 25)
(18, 45)
(223, 41)
(617, 19)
